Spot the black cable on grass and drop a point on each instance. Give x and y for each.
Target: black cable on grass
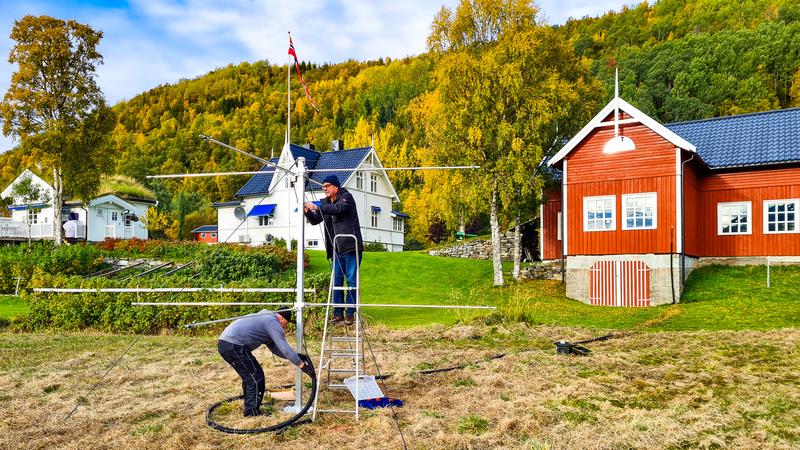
(292, 421)
(85, 397)
(277, 428)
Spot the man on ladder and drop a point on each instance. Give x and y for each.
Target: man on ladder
(340, 216)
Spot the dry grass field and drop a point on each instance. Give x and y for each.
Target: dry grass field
(640, 390)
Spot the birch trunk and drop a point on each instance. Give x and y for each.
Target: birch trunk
(495, 225)
(517, 250)
(58, 189)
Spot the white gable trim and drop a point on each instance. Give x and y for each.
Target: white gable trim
(34, 178)
(639, 116)
(112, 199)
(378, 164)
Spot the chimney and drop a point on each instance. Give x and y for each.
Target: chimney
(337, 145)
(308, 146)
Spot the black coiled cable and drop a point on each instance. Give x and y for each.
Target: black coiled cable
(294, 420)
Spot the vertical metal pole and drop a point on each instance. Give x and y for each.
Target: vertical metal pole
(16, 290)
(358, 322)
(299, 303)
(768, 264)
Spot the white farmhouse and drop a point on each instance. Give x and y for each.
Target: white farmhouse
(107, 216)
(266, 205)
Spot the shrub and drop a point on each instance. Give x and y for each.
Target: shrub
(226, 262)
(17, 261)
(374, 247)
(113, 312)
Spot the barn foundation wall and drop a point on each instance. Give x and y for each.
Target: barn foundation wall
(664, 280)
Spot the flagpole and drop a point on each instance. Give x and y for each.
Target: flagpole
(289, 98)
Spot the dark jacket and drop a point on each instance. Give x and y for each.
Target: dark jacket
(339, 217)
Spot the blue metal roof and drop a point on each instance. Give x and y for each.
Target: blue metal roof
(262, 210)
(30, 206)
(258, 184)
(205, 229)
(333, 163)
(764, 138)
(337, 163)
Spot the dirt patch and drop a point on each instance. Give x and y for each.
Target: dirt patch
(643, 390)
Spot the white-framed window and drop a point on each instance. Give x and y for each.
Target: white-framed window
(33, 216)
(360, 180)
(781, 216)
(397, 224)
(127, 220)
(99, 212)
(203, 235)
(599, 213)
(559, 230)
(639, 211)
(265, 221)
(374, 219)
(114, 216)
(373, 183)
(312, 243)
(734, 218)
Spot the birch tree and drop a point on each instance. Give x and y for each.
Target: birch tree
(506, 90)
(54, 105)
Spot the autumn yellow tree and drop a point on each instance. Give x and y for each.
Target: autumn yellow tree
(508, 87)
(54, 105)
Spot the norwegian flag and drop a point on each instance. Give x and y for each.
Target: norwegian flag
(300, 75)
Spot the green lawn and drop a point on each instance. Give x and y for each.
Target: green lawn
(715, 298)
(11, 307)
(416, 278)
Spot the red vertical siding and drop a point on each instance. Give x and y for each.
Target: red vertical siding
(551, 245)
(692, 210)
(650, 167)
(754, 186)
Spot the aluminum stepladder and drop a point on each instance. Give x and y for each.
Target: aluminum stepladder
(337, 349)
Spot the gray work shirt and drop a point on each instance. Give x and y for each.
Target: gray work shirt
(257, 330)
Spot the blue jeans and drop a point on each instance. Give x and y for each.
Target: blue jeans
(345, 266)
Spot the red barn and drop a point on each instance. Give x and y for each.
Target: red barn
(206, 233)
(644, 203)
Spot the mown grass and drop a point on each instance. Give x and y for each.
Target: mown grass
(642, 390)
(12, 307)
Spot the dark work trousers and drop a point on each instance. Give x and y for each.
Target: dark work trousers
(245, 364)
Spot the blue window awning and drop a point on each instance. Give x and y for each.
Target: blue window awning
(261, 210)
(400, 214)
(376, 209)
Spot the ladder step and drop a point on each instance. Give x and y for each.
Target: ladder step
(345, 339)
(337, 386)
(353, 370)
(342, 355)
(345, 288)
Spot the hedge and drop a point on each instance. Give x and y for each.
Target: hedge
(113, 312)
(19, 261)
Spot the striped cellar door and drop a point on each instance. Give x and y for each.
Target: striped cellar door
(619, 283)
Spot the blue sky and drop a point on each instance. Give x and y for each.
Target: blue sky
(151, 42)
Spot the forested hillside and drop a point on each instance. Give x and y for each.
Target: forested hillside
(678, 59)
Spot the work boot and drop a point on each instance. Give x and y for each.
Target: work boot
(337, 319)
(348, 321)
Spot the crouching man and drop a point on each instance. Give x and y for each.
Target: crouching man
(242, 336)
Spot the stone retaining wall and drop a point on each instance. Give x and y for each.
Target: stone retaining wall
(478, 248)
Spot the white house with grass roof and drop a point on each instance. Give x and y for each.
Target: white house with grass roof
(118, 212)
(266, 205)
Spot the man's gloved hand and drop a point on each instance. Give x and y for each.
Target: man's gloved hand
(308, 366)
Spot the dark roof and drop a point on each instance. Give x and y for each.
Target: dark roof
(757, 139)
(205, 229)
(258, 184)
(400, 214)
(333, 163)
(224, 204)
